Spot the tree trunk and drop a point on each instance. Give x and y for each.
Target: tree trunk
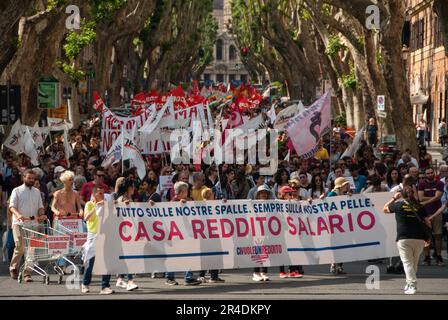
(41, 37)
(395, 74)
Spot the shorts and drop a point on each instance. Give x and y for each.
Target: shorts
(437, 225)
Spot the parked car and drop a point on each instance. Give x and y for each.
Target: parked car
(387, 146)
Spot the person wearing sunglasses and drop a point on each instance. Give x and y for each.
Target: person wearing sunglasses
(86, 190)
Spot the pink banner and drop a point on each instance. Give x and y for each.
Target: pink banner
(306, 129)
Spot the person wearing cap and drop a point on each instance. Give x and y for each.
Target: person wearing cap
(263, 193)
(341, 187)
(288, 193)
(55, 184)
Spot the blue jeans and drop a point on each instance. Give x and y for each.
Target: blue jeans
(105, 279)
(130, 276)
(10, 245)
(187, 275)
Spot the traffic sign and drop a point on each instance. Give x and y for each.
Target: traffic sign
(382, 114)
(381, 103)
(48, 93)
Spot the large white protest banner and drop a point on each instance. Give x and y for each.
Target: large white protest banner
(112, 123)
(140, 238)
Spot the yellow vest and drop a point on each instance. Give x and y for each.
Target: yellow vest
(92, 223)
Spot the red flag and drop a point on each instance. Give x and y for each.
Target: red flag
(242, 104)
(180, 102)
(152, 97)
(255, 98)
(195, 88)
(99, 103)
(139, 99)
(235, 120)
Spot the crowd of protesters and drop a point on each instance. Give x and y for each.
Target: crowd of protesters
(78, 186)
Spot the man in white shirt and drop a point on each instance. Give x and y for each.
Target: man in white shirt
(25, 205)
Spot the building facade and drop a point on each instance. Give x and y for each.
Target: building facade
(426, 53)
(226, 65)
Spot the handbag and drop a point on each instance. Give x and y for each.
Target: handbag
(426, 229)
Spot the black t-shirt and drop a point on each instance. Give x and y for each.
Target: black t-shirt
(408, 226)
(372, 129)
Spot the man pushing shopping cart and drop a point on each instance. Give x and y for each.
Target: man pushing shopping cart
(27, 208)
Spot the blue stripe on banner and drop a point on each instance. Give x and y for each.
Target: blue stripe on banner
(348, 246)
(176, 255)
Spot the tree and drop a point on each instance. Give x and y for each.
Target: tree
(331, 36)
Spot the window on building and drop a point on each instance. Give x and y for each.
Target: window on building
(232, 52)
(231, 77)
(438, 40)
(220, 78)
(206, 77)
(219, 47)
(243, 78)
(421, 34)
(406, 33)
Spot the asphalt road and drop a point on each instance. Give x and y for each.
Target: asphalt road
(317, 284)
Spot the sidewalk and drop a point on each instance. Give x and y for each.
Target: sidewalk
(435, 150)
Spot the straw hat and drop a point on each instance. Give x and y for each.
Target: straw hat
(340, 182)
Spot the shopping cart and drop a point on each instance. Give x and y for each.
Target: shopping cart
(43, 244)
(75, 228)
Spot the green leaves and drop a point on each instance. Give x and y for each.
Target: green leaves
(52, 4)
(74, 73)
(104, 10)
(334, 46)
(75, 41)
(349, 80)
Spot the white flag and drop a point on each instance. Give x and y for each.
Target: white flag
(153, 121)
(113, 154)
(271, 114)
(15, 138)
(267, 93)
(288, 156)
(354, 146)
(125, 147)
(29, 147)
(254, 123)
(285, 115)
(39, 134)
(67, 148)
(132, 152)
(301, 107)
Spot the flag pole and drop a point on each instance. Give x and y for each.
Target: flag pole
(122, 149)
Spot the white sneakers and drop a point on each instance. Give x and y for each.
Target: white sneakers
(410, 289)
(121, 284)
(86, 289)
(260, 276)
(129, 286)
(106, 291)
